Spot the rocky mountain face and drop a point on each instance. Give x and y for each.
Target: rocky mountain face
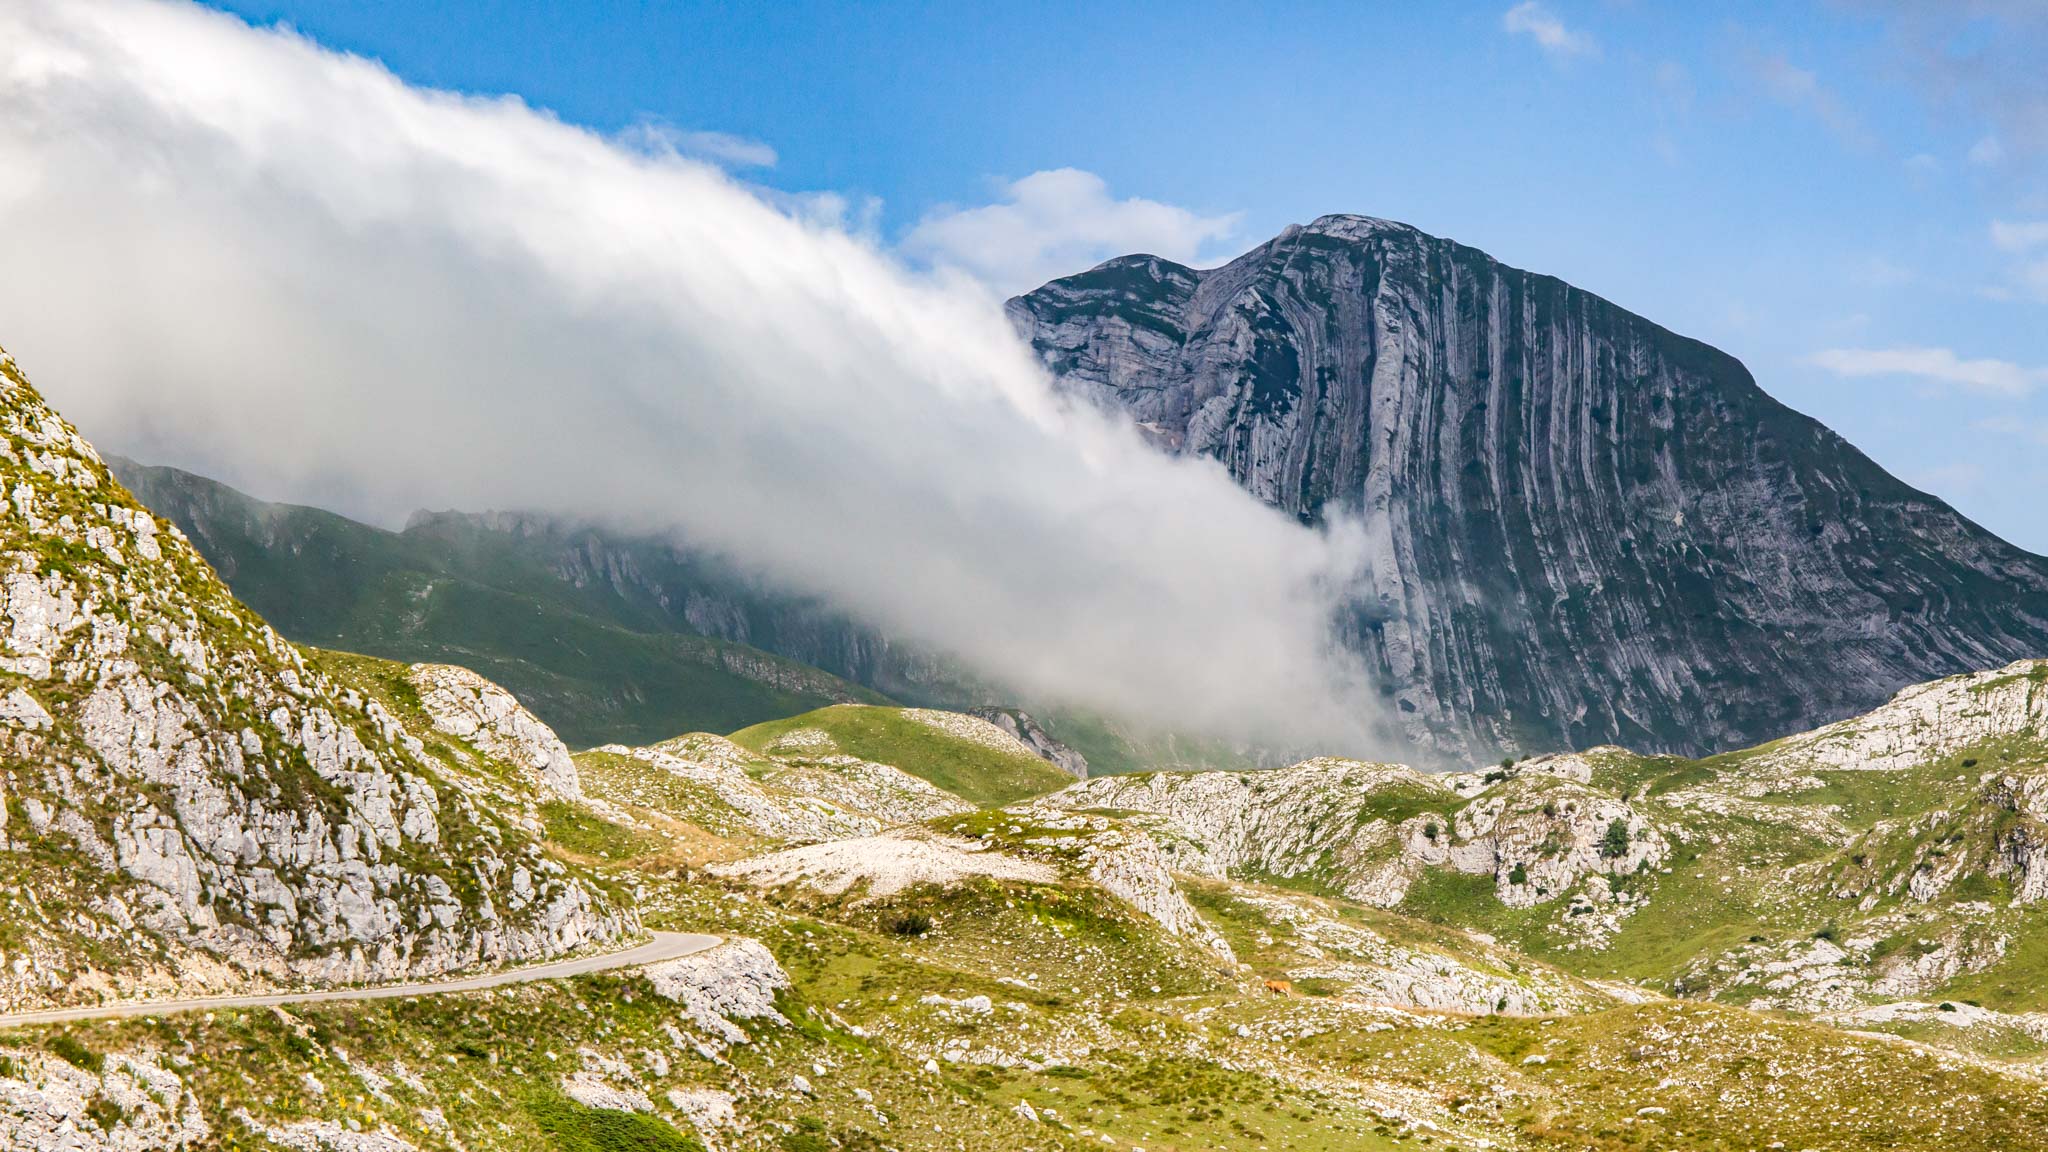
(1586, 529)
(190, 801)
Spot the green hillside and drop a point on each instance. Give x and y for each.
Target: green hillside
(596, 664)
(982, 774)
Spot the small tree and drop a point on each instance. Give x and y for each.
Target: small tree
(1615, 844)
(1518, 875)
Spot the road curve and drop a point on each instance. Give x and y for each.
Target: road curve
(664, 946)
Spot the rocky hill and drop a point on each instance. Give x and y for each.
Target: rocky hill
(191, 802)
(1588, 529)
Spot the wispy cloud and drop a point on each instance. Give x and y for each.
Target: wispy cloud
(1979, 62)
(2019, 235)
(1939, 366)
(1542, 26)
(1055, 223)
(1801, 89)
(721, 148)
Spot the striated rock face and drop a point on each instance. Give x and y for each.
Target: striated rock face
(1588, 529)
(203, 805)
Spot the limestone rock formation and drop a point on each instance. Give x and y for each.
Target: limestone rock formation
(207, 804)
(1029, 732)
(1586, 528)
(469, 707)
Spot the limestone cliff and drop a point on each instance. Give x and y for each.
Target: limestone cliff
(1587, 529)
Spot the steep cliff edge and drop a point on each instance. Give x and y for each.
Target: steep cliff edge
(1586, 529)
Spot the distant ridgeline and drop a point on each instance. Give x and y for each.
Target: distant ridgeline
(608, 637)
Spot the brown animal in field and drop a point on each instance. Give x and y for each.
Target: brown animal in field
(1280, 987)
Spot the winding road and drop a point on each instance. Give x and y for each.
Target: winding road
(664, 946)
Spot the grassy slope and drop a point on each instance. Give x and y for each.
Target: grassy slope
(595, 667)
(885, 736)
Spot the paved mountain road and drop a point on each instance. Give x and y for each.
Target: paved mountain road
(664, 946)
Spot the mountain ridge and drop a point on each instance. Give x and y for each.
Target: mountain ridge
(1587, 529)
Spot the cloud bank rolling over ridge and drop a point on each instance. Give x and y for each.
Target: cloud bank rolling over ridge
(232, 249)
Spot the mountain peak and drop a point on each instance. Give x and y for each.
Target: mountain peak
(1586, 528)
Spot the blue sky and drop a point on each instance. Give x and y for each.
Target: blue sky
(1849, 196)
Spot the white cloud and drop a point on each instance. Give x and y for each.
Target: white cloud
(2019, 235)
(718, 147)
(230, 249)
(1537, 22)
(1056, 223)
(1932, 365)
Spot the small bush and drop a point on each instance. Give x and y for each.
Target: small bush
(1615, 844)
(911, 924)
(76, 1054)
(1429, 832)
(1518, 875)
(107, 1114)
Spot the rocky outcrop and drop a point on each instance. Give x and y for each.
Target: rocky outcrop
(736, 980)
(1586, 529)
(211, 806)
(130, 1103)
(1367, 830)
(1374, 968)
(1322, 817)
(1027, 731)
(469, 707)
(1923, 723)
